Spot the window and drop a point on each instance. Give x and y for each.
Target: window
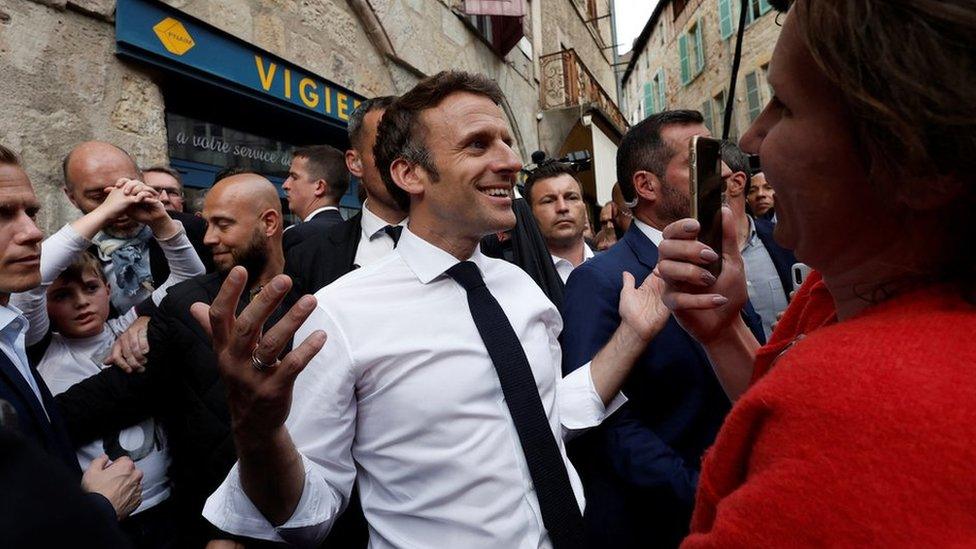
(648, 99)
(691, 51)
(718, 113)
(728, 14)
(725, 23)
(654, 94)
(707, 114)
(756, 9)
(753, 95)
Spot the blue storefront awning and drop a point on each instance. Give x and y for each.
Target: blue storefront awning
(152, 32)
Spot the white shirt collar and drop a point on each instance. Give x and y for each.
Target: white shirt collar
(428, 261)
(654, 235)
(587, 254)
(9, 315)
(316, 211)
(372, 224)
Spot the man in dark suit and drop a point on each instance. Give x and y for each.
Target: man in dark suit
(115, 490)
(640, 468)
(317, 179)
(363, 238)
(767, 264)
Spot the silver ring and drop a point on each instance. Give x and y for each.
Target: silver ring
(259, 364)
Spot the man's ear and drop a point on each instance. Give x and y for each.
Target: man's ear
(354, 163)
(271, 219)
(321, 188)
(646, 185)
(71, 198)
(735, 184)
(408, 176)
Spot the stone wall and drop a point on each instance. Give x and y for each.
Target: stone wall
(661, 51)
(61, 82)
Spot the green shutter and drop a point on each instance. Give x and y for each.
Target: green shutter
(683, 55)
(764, 7)
(700, 31)
(752, 95)
(707, 114)
(725, 18)
(661, 91)
(648, 99)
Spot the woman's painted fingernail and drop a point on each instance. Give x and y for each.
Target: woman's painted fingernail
(720, 300)
(708, 278)
(708, 255)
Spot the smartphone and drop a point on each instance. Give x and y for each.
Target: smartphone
(707, 190)
(799, 272)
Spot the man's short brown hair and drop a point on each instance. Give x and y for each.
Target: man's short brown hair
(401, 133)
(548, 170)
(328, 163)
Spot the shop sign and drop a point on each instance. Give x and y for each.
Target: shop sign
(154, 32)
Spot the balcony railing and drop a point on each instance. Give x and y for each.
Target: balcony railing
(566, 82)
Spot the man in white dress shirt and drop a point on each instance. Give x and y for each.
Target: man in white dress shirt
(557, 203)
(406, 398)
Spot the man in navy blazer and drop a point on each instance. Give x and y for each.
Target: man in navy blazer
(115, 489)
(640, 468)
(317, 179)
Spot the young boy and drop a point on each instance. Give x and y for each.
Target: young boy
(68, 314)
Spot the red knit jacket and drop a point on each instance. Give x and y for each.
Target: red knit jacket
(861, 433)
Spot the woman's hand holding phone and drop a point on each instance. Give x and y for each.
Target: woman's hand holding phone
(704, 305)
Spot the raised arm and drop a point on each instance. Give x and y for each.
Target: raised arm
(710, 312)
(271, 471)
(62, 248)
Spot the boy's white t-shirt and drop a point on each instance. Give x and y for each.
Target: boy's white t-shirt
(68, 361)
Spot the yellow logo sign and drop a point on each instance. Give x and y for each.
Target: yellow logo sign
(173, 35)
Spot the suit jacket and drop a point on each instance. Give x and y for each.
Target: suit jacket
(43, 505)
(49, 434)
(783, 259)
(310, 229)
(640, 467)
(317, 262)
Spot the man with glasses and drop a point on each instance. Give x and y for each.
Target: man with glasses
(167, 182)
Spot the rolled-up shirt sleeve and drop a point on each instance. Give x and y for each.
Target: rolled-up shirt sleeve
(580, 406)
(322, 426)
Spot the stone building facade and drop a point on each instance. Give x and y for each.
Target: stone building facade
(683, 60)
(69, 73)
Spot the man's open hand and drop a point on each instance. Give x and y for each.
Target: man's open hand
(259, 399)
(642, 308)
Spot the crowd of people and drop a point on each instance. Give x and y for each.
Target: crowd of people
(461, 364)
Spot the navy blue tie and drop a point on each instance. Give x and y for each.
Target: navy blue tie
(394, 231)
(560, 510)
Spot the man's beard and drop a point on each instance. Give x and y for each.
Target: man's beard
(253, 257)
(673, 204)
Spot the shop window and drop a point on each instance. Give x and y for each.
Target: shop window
(753, 95)
(691, 52)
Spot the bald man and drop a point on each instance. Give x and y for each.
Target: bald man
(125, 246)
(180, 385)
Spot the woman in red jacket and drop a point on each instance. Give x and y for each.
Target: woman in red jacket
(856, 424)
